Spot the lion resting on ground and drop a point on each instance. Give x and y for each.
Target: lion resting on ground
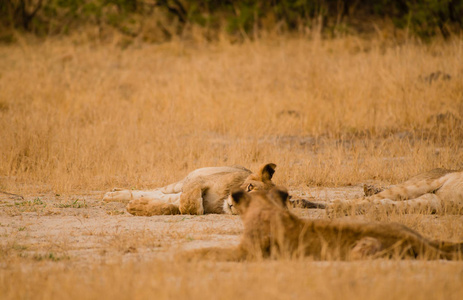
(271, 230)
(203, 191)
(430, 192)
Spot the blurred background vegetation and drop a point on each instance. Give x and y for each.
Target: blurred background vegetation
(160, 20)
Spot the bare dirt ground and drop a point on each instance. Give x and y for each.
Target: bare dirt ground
(83, 229)
(79, 247)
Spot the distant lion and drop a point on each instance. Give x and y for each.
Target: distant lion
(431, 192)
(271, 230)
(203, 191)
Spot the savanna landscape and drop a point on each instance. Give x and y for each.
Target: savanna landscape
(81, 114)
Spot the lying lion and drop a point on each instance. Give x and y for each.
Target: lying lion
(203, 191)
(271, 230)
(431, 192)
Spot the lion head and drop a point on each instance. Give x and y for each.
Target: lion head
(259, 181)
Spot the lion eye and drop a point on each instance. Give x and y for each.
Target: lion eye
(250, 187)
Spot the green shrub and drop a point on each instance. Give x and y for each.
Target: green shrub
(425, 18)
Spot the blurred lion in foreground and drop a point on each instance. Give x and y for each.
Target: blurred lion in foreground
(271, 230)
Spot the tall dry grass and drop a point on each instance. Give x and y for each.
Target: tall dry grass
(271, 280)
(83, 116)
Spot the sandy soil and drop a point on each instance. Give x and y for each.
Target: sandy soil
(82, 229)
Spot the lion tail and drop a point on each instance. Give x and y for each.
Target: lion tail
(450, 247)
(448, 250)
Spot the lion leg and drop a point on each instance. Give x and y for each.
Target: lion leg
(411, 189)
(122, 195)
(191, 200)
(427, 203)
(154, 203)
(118, 195)
(150, 207)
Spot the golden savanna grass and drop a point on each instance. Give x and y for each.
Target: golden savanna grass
(78, 118)
(90, 117)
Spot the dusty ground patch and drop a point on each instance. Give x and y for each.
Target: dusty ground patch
(79, 247)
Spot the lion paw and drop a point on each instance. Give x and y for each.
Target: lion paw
(370, 190)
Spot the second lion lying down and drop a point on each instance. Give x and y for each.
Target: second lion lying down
(432, 191)
(271, 230)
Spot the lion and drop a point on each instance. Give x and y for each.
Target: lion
(272, 231)
(203, 191)
(430, 192)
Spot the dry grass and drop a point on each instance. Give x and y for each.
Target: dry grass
(78, 117)
(85, 117)
(272, 280)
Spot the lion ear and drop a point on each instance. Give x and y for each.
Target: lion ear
(239, 196)
(280, 195)
(267, 171)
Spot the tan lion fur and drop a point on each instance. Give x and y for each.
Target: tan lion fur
(271, 230)
(431, 192)
(202, 191)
